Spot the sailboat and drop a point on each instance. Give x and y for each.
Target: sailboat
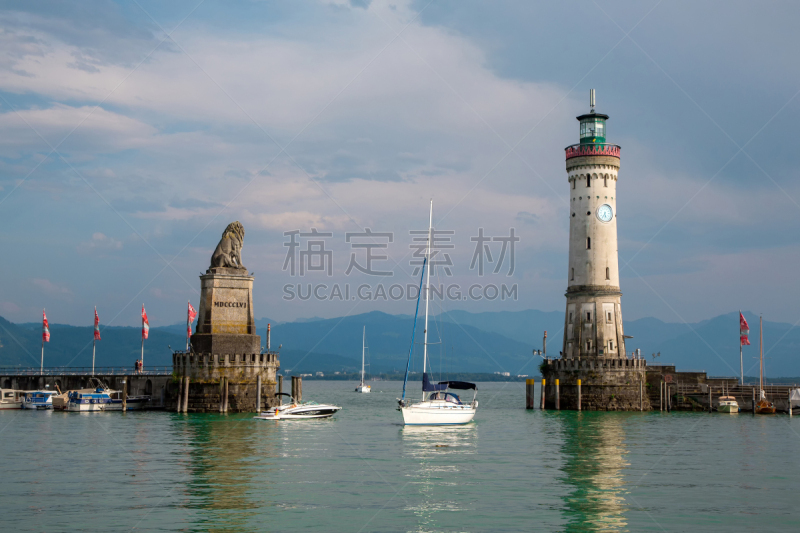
(363, 387)
(763, 406)
(439, 406)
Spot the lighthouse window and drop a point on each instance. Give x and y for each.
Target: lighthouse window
(573, 183)
(588, 346)
(611, 345)
(588, 243)
(570, 317)
(588, 181)
(572, 278)
(608, 276)
(588, 316)
(605, 181)
(609, 317)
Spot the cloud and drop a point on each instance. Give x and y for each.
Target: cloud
(48, 287)
(100, 241)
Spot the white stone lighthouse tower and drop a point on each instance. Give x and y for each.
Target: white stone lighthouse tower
(593, 320)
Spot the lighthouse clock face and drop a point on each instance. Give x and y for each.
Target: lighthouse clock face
(605, 213)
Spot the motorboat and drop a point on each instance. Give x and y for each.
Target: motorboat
(88, 401)
(438, 406)
(727, 404)
(132, 403)
(10, 399)
(363, 387)
(37, 399)
(293, 410)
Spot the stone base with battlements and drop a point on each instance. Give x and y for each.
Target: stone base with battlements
(206, 372)
(606, 384)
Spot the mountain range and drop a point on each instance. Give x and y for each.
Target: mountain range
(458, 342)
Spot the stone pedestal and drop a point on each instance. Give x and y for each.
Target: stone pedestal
(225, 346)
(606, 384)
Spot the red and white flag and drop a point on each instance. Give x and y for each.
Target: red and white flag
(145, 324)
(96, 325)
(744, 331)
(45, 328)
(190, 318)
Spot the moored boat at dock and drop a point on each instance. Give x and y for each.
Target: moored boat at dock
(727, 404)
(38, 399)
(87, 401)
(298, 411)
(10, 399)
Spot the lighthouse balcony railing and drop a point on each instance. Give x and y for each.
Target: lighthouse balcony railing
(590, 149)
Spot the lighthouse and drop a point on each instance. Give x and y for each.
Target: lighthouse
(593, 318)
(593, 372)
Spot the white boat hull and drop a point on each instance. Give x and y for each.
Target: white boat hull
(133, 403)
(364, 389)
(438, 413)
(76, 407)
(728, 409)
(10, 405)
(299, 412)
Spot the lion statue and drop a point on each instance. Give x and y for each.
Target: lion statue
(229, 250)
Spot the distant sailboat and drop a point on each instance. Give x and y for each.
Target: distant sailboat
(363, 387)
(763, 406)
(440, 407)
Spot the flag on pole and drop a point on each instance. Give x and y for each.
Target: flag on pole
(190, 319)
(145, 324)
(744, 330)
(45, 328)
(96, 325)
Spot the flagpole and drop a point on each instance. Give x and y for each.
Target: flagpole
(41, 365)
(94, 342)
(187, 328)
(741, 360)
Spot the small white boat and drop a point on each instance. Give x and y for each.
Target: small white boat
(727, 404)
(298, 411)
(87, 401)
(10, 399)
(363, 387)
(37, 399)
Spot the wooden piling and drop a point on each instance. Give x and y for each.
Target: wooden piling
(299, 389)
(258, 393)
(280, 384)
(125, 394)
(529, 396)
(641, 396)
(579, 395)
(542, 405)
(227, 392)
(710, 404)
(221, 394)
(558, 398)
(754, 400)
(180, 396)
(186, 395)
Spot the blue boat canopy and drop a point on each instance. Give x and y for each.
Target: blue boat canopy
(460, 385)
(427, 386)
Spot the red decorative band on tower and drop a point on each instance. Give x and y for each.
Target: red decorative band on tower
(578, 150)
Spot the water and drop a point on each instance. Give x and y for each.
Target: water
(510, 470)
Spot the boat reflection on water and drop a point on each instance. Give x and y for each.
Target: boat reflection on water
(594, 464)
(221, 470)
(439, 460)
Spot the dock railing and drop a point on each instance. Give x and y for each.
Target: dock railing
(85, 371)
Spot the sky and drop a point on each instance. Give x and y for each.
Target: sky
(133, 133)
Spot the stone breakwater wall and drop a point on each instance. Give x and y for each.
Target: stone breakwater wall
(209, 373)
(606, 384)
(155, 386)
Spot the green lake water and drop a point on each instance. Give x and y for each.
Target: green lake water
(510, 470)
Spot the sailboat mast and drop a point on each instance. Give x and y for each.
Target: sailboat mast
(761, 355)
(427, 296)
(363, 341)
